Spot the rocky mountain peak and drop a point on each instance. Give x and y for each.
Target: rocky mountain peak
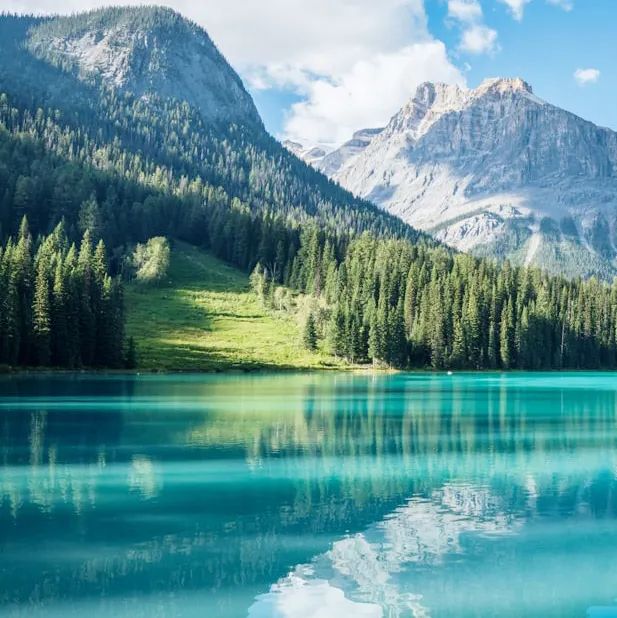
(504, 85)
(497, 171)
(438, 93)
(432, 100)
(146, 51)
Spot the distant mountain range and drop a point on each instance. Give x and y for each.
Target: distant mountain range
(494, 170)
(124, 124)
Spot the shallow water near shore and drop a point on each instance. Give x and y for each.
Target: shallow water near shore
(308, 495)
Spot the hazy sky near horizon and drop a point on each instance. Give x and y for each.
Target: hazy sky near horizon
(320, 69)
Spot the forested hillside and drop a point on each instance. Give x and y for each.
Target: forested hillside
(117, 158)
(170, 149)
(404, 305)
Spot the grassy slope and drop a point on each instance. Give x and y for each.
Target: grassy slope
(204, 318)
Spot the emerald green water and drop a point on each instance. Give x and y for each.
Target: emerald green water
(309, 496)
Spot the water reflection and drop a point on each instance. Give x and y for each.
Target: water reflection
(272, 495)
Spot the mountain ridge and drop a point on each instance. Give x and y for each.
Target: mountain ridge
(122, 165)
(497, 171)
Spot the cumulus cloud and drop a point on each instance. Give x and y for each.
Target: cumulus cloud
(476, 37)
(517, 7)
(354, 63)
(368, 93)
(316, 34)
(466, 11)
(586, 76)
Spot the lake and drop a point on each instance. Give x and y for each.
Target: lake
(294, 495)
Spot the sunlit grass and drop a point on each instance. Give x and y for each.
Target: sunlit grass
(205, 318)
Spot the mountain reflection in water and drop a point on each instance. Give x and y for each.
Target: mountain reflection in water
(308, 495)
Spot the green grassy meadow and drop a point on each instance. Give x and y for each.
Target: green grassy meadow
(204, 317)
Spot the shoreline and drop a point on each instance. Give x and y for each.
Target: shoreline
(359, 370)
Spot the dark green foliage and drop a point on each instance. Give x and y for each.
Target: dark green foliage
(309, 335)
(405, 305)
(129, 168)
(58, 309)
(53, 170)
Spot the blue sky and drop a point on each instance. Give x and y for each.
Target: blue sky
(546, 46)
(320, 69)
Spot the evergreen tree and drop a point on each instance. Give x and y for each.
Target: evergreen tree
(337, 332)
(41, 315)
(59, 331)
(309, 335)
(506, 347)
(44, 300)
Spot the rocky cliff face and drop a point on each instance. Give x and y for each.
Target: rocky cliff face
(496, 171)
(145, 51)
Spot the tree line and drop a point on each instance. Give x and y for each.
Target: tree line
(59, 306)
(395, 303)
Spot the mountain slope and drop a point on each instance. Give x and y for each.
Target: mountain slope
(496, 171)
(146, 51)
(128, 164)
(144, 93)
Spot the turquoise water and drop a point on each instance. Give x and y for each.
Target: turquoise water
(309, 496)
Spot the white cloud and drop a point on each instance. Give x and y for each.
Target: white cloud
(517, 7)
(466, 11)
(476, 37)
(314, 35)
(479, 39)
(354, 62)
(586, 76)
(368, 94)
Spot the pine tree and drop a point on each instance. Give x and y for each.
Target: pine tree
(397, 337)
(378, 333)
(41, 315)
(59, 330)
(337, 332)
(87, 317)
(493, 332)
(309, 335)
(471, 324)
(458, 356)
(21, 279)
(73, 302)
(90, 218)
(506, 347)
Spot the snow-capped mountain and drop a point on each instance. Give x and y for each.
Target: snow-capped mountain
(146, 51)
(494, 170)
